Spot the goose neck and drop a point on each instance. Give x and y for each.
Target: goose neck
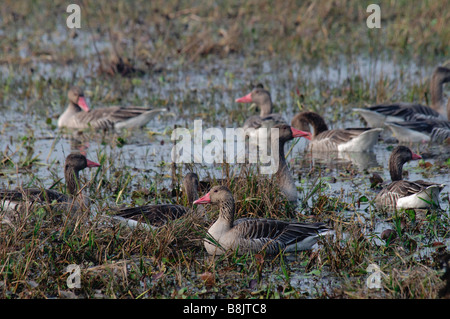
(191, 193)
(316, 121)
(266, 108)
(282, 166)
(72, 180)
(436, 92)
(227, 208)
(73, 108)
(396, 169)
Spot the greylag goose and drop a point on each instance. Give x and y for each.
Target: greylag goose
(261, 97)
(378, 115)
(343, 140)
(404, 194)
(79, 116)
(421, 130)
(20, 199)
(156, 215)
(255, 234)
(283, 175)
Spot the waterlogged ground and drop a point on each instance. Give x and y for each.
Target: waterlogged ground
(137, 168)
(30, 135)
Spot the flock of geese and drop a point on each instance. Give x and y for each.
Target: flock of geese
(408, 122)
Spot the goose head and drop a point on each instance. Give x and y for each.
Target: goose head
(79, 162)
(260, 97)
(216, 196)
(73, 165)
(287, 133)
(314, 119)
(76, 97)
(399, 156)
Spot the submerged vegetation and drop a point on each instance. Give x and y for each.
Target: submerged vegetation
(195, 58)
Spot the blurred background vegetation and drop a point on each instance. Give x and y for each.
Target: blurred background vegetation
(149, 33)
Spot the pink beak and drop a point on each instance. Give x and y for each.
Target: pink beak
(298, 133)
(415, 156)
(92, 164)
(245, 99)
(203, 200)
(82, 103)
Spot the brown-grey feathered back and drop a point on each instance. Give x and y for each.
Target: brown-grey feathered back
(389, 196)
(253, 235)
(159, 214)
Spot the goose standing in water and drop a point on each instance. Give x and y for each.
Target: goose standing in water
(79, 116)
(378, 115)
(255, 234)
(342, 140)
(19, 200)
(405, 194)
(156, 215)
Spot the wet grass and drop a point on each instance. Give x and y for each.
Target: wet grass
(195, 59)
(117, 262)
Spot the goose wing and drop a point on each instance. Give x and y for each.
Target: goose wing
(33, 194)
(156, 215)
(437, 129)
(419, 126)
(340, 136)
(406, 188)
(423, 125)
(275, 234)
(405, 110)
(270, 120)
(253, 122)
(440, 134)
(107, 117)
(389, 195)
(297, 232)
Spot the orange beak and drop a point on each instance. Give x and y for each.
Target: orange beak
(245, 99)
(203, 200)
(92, 164)
(298, 133)
(82, 103)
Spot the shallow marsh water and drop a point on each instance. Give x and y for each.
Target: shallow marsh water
(207, 92)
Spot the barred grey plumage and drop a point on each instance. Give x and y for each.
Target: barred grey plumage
(325, 140)
(421, 130)
(405, 194)
(156, 215)
(18, 200)
(440, 134)
(283, 175)
(261, 97)
(79, 116)
(255, 234)
(378, 115)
